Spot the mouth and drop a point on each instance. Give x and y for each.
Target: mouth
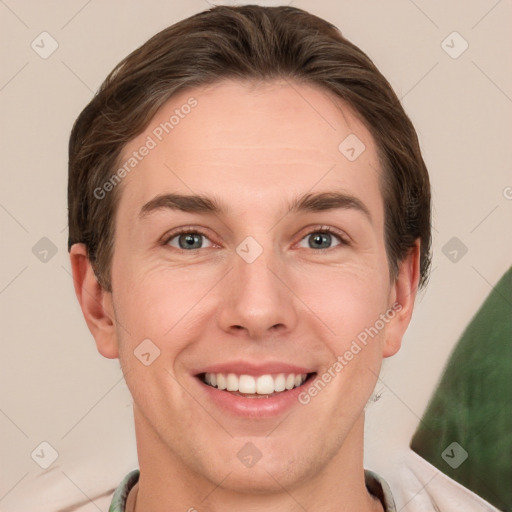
(254, 390)
(268, 385)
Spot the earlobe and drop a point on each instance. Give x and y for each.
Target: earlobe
(403, 295)
(95, 302)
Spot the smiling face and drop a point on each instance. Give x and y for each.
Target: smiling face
(263, 282)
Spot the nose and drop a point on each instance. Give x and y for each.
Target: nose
(257, 299)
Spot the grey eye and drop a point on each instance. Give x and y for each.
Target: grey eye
(319, 240)
(187, 241)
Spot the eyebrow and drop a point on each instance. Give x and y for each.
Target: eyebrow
(197, 203)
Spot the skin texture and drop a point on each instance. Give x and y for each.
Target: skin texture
(255, 147)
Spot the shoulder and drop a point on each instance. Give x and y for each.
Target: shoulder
(377, 486)
(118, 503)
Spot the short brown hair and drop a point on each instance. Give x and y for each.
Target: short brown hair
(243, 43)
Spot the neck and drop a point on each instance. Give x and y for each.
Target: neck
(168, 484)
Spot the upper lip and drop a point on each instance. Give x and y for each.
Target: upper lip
(249, 368)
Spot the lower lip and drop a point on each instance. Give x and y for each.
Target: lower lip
(255, 407)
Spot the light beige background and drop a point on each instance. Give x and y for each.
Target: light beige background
(55, 387)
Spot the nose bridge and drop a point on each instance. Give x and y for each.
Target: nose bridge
(257, 300)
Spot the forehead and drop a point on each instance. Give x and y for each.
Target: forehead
(252, 143)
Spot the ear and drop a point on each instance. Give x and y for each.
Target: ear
(96, 303)
(402, 297)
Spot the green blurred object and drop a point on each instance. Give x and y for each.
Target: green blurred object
(466, 431)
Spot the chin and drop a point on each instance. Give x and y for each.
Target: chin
(263, 470)
(261, 479)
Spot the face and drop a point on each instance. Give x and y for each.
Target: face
(265, 286)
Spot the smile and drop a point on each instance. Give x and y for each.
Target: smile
(233, 387)
(249, 386)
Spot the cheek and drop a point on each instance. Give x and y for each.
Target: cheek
(160, 302)
(345, 299)
(350, 303)
(157, 313)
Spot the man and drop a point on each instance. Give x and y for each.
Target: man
(249, 220)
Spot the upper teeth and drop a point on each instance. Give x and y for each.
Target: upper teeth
(262, 385)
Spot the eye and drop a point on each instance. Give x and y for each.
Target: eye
(322, 239)
(187, 240)
(192, 239)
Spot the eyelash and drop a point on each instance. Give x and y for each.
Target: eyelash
(197, 231)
